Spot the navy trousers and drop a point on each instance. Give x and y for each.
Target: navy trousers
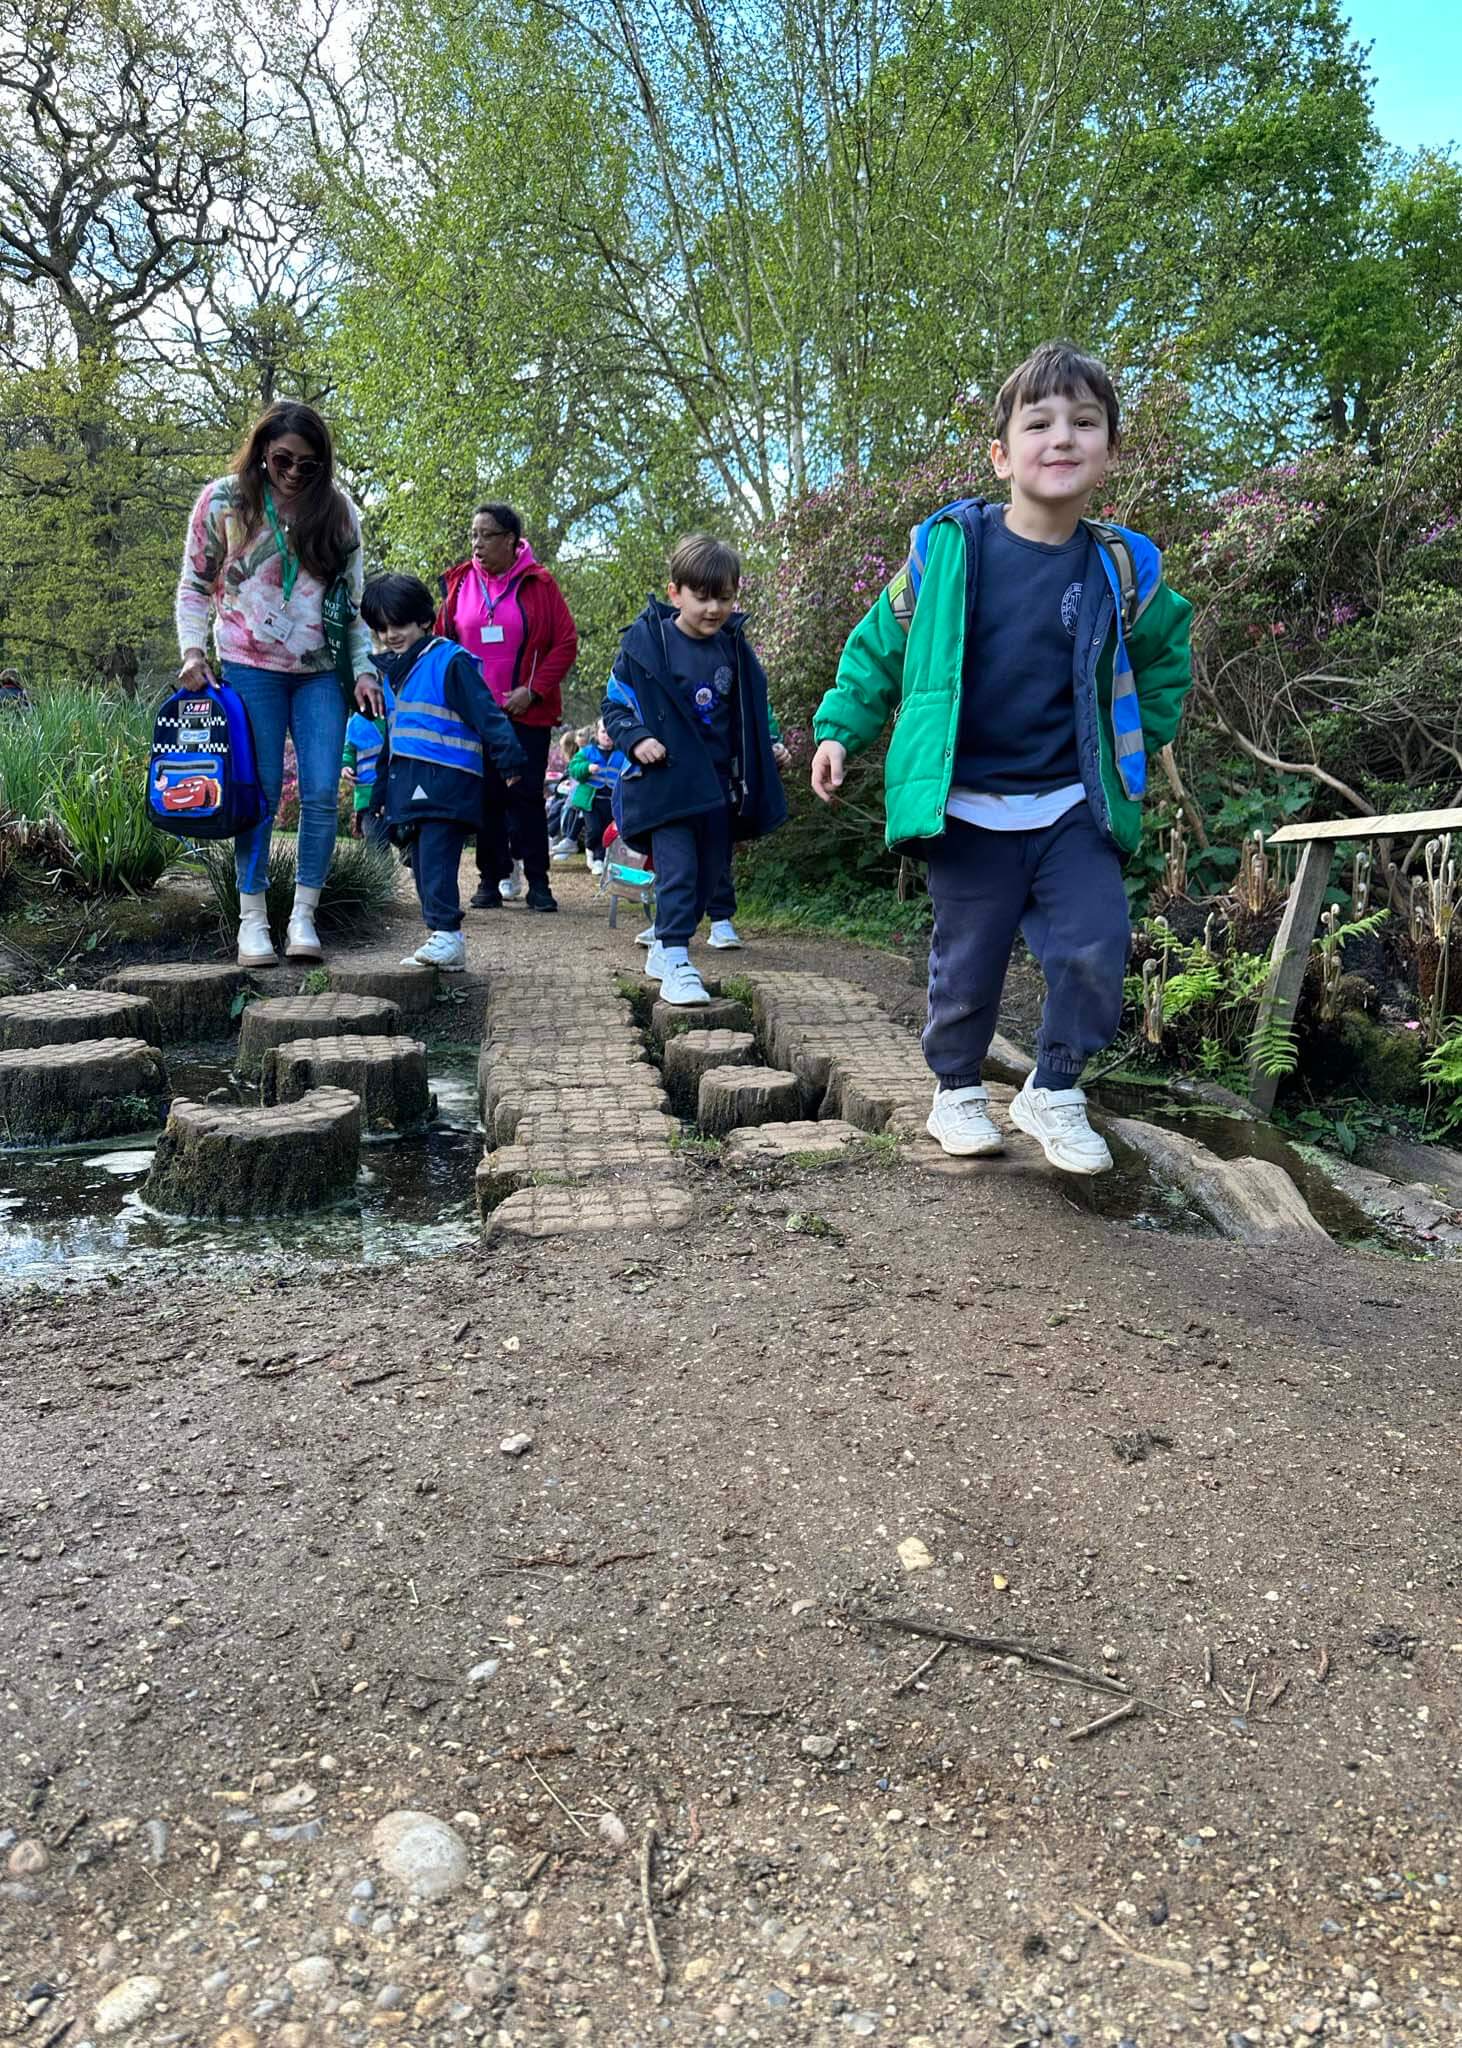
(690, 857)
(513, 823)
(1060, 887)
(436, 856)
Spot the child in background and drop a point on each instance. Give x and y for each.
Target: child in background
(442, 725)
(596, 768)
(687, 702)
(365, 742)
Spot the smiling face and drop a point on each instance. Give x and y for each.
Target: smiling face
(493, 547)
(292, 466)
(1056, 449)
(700, 613)
(396, 639)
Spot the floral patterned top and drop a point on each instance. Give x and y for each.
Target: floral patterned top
(239, 577)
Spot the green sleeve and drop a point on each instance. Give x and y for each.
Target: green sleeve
(869, 680)
(579, 766)
(1162, 665)
(348, 758)
(774, 726)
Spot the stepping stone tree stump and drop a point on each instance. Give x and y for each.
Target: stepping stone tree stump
(627, 1208)
(412, 989)
(570, 1159)
(283, 1018)
(194, 999)
(65, 1016)
(731, 1097)
(513, 1105)
(689, 1054)
(719, 1014)
(221, 1162)
(95, 1088)
(764, 1144)
(388, 1074)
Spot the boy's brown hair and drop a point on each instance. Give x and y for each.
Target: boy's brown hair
(1057, 368)
(709, 567)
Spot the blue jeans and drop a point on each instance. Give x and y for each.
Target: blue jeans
(312, 709)
(1061, 887)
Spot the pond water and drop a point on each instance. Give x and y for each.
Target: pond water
(77, 1214)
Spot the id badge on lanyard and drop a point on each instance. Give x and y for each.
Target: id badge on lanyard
(493, 634)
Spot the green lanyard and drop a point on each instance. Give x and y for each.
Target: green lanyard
(291, 562)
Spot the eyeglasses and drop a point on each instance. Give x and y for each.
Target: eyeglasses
(490, 533)
(291, 465)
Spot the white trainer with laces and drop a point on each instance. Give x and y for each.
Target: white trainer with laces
(724, 935)
(1056, 1119)
(446, 950)
(596, 865)
(511, 887)
(646, 937)
(961, 1121)
(655, 961)
(680, 984)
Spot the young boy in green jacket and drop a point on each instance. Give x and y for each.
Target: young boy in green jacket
(1035, 660)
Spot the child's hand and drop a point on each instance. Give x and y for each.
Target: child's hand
(648, 752)
(370, 697)
(828, 764)
(347, 776)
(781, 755)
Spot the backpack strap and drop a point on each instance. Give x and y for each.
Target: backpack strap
(1119, 548)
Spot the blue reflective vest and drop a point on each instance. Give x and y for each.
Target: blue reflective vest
(369, 740)
(423, 726)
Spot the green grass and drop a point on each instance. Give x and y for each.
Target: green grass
(77, 761)
(359, 889)
(871, 918)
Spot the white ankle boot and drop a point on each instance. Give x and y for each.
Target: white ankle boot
(303, 942)
(256, 948)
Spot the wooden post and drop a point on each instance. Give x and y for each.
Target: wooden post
(1290, 957)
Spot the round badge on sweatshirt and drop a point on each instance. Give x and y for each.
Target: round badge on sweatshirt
(1070, 606)
(705, 698)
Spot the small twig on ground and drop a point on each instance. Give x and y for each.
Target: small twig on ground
(601, 1564)
(461, 1331)
(1322, 1669)
(373, 1379)
(905, 1684)
(77, 1820)
(1208, 1663)
(647, 1861)
(1172, 1963)
(1103, 1721)
(555, 1798)
(1249, 1695)
(1226, 1696)
(1000, 1646)
(411, 1589)
(1273, 1698)
(536, 1868)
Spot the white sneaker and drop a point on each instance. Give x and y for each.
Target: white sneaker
(655, 960)
(961, 1121)
(680, 984)
(724, 935)
(596, 866)
(1057, 1118)
(513, 885)
(646, 937)
(563, 850)
(256, 948)
(446, 950)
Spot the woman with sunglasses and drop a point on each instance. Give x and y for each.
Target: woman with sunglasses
(265, 543)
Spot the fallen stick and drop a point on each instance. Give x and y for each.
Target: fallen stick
(1000, 1646)
(647, 1859)
(905, 1684)
(1322, 1670)
(1249, 1695)
(1103, 1721)
(1274, 1697)
(555, 1798)
(1172, 1963)
(1208, 1663)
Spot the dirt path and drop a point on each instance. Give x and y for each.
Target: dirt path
(269, 1578)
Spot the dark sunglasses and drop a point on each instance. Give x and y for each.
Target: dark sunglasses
(296, 465)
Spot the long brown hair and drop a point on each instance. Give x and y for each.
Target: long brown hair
(321, 532)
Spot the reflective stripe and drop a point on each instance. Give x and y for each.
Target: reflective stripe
(405, 734)
(424, 727)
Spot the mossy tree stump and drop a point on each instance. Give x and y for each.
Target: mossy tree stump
(689, 1054)
(194, 999)
(513, 1102)
(719, 1014)
(94, 1088)
(412, 989)
(283, 1018)
(731, 1097)
(65, 1016)
(221, 1162)
(388, 1074)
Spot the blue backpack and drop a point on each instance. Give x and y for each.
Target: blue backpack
(203, 778)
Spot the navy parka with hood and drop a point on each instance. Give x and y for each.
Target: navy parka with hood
(642, 702)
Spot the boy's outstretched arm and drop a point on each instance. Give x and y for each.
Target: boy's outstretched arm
(869, 683)
(1162, 665)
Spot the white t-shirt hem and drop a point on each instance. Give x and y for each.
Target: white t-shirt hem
(1022, 813)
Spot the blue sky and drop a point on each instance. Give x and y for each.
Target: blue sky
(1417, 61)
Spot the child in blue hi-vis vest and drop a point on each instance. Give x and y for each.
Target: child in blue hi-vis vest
(440, 729)
(365, 744)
